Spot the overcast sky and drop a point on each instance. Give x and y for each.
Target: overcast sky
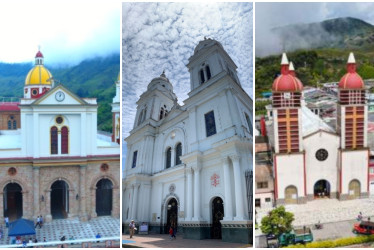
(270, 15)
(67, 31)
(159, 36)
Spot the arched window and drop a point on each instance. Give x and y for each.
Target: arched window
(144, 113)
(208, 75)
(249, 123)
(140, 117)
(54, 142)
(178, 154)
(14, 124)
(202, 78)
(168, 158)
(64, 140)
(161, 113)
(9, 124)
(134, 158)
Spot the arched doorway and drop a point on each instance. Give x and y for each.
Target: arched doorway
(104, 197)
(60, 200)
(217, 216)
(290, 196)
(13, 207)
(354, 189)
(322, 189)
(172, 215)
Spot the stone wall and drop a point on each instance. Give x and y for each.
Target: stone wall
(36, 183)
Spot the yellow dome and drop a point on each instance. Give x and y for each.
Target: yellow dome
(38, 75)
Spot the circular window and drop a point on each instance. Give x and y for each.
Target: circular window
(322, 154)
(104, 167)
(34, 92)
(12, 171)
(59, 120)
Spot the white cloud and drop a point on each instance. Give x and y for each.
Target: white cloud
(164, 35)
(67, 31)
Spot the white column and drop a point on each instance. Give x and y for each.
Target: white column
(135, 202)
(131, 201)
(228, 198)
(197, 196)
(189, 195)
(239, 198)
(36, 135)
(83, 135)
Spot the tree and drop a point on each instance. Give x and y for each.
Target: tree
(278, 221)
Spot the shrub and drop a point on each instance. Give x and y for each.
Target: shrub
(336, 243)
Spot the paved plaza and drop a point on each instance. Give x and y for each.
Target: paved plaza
(336, 216)
(107, 226)
(163, 241)
(325, 211)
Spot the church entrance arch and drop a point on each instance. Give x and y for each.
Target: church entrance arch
(290, 196)
(13, 207)
(217, 214)
(354, 189)
(59, 199)
(104, 197)
(171, 215)
(322, 189)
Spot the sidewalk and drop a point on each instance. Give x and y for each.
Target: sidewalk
(163, 241)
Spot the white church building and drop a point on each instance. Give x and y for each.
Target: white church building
(311, 159)
(53, 160)
(187, 167)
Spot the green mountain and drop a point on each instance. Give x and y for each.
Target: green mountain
(347, 33)
(91, 78)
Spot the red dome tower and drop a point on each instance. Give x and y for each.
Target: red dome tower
(352, 122)
(352, 108)
(286, 109)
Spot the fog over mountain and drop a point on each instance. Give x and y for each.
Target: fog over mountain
(290, 26)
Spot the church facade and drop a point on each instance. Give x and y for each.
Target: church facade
(311, 159)
(53, 161)
(186, 166)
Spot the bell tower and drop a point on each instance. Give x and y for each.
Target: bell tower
(116, 121)
(289, 156)
(352, 123)
(208, 64)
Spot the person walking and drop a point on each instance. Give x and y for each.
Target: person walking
(132, 228)
(38, 222)
(41, 221)
(171, 233)
(6, 219)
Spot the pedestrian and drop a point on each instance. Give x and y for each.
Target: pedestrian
(98, 236)
(41, 221)
(44, 239)
(369, 219)
(6, 219)
(359, 216)
(171, 232)
(132, 228)
(35, 240)
(38, 222)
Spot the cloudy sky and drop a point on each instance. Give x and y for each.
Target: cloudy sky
(159, 36)
(67, 31)
(270, 15)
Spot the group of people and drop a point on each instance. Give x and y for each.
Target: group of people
(132, 230)
(359, 217)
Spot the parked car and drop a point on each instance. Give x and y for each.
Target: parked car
(364, 227)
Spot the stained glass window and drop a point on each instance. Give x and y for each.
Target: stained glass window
(64, 140)
(54, 143)
(178, 154)
(134, 159)
(210, 124)
(168, 158)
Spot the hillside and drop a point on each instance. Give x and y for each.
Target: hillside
(344, 33)
(91, 78)
(312, 67)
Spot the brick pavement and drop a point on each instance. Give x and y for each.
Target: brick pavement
(105, 225)
(163, 241)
